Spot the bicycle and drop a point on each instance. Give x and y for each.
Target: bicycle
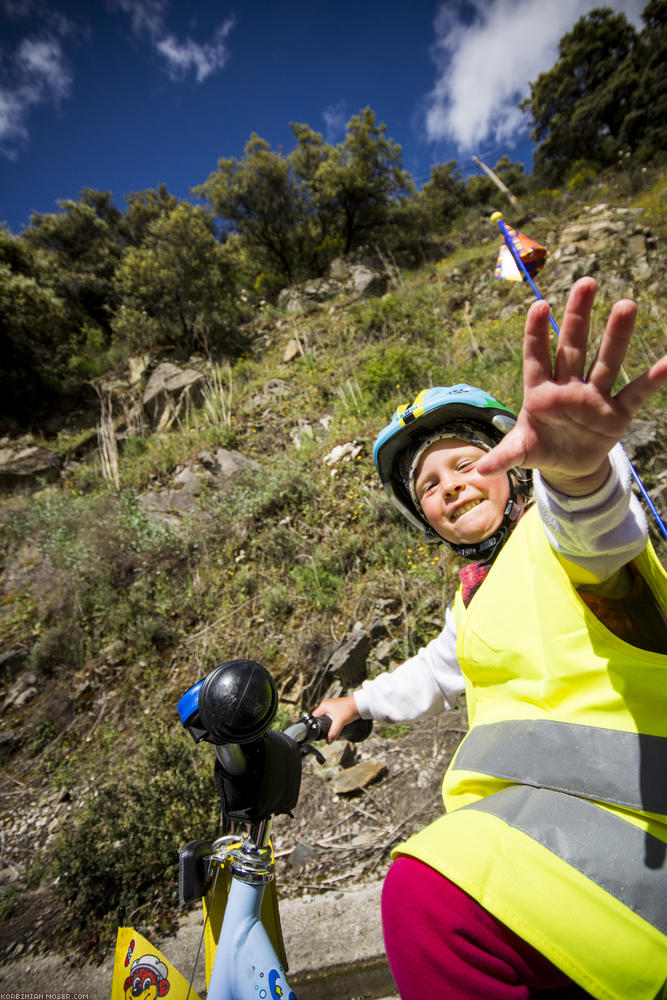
(258, 776)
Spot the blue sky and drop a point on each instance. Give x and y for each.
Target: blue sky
(122, 95)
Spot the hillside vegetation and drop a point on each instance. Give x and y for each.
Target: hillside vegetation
(113, 606)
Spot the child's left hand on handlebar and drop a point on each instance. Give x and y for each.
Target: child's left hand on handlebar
(570, 419)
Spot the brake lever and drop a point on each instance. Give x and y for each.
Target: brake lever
(307, 748)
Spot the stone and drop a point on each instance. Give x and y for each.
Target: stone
(636, 245)
(292, 350)
(169, 390)
(12, 661)
(301, 433)
(303, 853)
(27, 467)
(188, 482)
(605, 228)
(360, 280)
(360, 776)
(342, 453)
(385, 649)
(170, 505)
(230, 463)
(113, 653)
(365, 282)
(137, 366)
(642, 439)
(574, 233)
(355, 279)
(340, 754)
(8, 744)
(60, 711)
(294, 301)
(22, 690)
(348, 662)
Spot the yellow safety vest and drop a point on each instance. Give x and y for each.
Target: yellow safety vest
(557, 797)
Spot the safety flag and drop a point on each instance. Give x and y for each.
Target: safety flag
(141, 972)
(532, 256)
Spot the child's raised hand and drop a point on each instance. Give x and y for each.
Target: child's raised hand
(570, 419)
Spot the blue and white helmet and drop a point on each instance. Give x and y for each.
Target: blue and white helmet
(461, 411)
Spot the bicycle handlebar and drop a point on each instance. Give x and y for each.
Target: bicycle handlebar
(235, 706)
(316, 727)
(258, 770)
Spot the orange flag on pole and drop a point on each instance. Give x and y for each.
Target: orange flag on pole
(531, 253)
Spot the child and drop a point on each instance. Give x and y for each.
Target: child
(549, 870)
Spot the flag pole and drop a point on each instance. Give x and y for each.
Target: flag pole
(498, 217)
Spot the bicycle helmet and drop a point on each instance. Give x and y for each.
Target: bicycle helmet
(461, 411)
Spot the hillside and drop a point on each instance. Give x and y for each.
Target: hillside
(232, 510)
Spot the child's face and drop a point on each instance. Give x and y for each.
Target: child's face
(460, 504)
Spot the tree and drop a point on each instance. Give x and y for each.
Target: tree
(645, 127)
(34, 348)
(443, 195)
(481, 192)
(259, 198)
(361, 181)
(82, 245)
(175, 289)
(294, 212)
(578, 107)
(143, 207)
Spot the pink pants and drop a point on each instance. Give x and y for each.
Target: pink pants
(441, 944)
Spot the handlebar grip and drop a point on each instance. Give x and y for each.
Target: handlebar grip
(358, 730)
(323, 725)
(355, 731)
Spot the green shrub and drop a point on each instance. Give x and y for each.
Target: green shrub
(278, 602)
(389, 373)
(123, 848)
(135, 446)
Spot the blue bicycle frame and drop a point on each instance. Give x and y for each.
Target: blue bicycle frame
(233, 708)
(246, 965)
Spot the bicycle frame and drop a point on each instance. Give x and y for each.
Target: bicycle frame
(237, 701)
(246, 966)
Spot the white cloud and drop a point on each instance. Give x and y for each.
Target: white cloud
(485, 67)
(148, 18)
(37, 73)
(335, 120)
(41, 65)
(17, 8)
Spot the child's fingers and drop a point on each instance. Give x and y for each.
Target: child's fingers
(610, 356)
(570, 359)
(633, 396)
(536, 348)
(510, 452)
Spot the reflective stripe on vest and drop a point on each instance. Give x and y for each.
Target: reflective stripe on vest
(621, 858)
(626, 769)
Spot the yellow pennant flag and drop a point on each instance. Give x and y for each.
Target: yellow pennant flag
(141, 972)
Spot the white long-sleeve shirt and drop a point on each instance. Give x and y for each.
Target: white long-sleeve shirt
(597, 535)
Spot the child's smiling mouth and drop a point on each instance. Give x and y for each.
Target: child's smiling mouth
(464, 508)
